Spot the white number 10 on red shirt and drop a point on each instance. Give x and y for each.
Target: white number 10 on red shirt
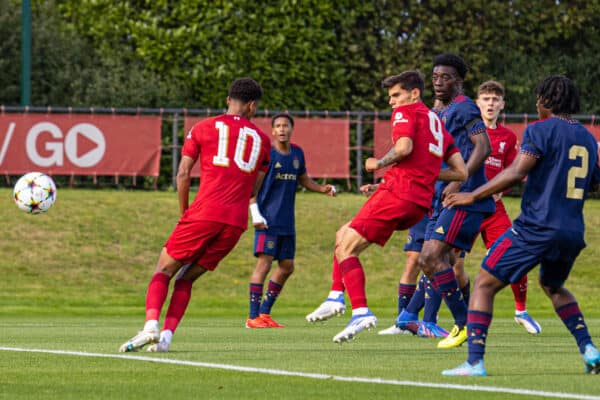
(245, 133)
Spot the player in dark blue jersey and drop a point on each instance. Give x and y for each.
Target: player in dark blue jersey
(454, 228)
(273, 217)
(560, 159)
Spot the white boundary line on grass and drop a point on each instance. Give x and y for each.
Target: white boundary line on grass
(381, 381)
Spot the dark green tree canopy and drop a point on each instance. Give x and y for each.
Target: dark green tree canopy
(311, 54)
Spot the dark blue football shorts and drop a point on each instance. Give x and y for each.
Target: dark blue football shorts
(517, 252)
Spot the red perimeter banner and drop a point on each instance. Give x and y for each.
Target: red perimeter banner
(382, 136)
(325, 141)
(78, 144)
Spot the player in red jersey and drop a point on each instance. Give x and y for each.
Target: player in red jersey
(490, 100)
(420, 146)
(234, 155)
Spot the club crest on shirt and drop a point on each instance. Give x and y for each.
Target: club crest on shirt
(399, 118)
(502, 145)
(296, 163)
(270, 244)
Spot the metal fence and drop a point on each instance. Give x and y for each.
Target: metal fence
(361, 133)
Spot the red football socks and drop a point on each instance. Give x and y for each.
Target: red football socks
(156, 295)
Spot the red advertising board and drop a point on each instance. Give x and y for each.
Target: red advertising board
(325, 141)
(77, 144)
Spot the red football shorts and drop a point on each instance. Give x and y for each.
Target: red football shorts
(495, 225)
(204, 243)
(382, 214)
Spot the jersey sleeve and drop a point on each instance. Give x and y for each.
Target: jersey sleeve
(191, 145)
(266, 149)
(450, 146)
(469, 116)
(302, 169)
(404, 124)
(532, 142)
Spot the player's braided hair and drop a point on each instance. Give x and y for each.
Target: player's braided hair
(452, 60)
(408, 80)
(558, 94)
(245, 90)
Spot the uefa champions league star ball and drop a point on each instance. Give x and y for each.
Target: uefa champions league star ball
(35, 193)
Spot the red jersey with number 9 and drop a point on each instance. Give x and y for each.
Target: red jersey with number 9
(231, 150)
(413, 178)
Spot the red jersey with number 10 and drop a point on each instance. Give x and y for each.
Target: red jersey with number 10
(232, 150)
(413, 178)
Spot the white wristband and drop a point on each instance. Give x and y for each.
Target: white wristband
(257, 217)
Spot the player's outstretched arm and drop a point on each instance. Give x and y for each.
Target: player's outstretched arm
(456, 171)
(313, 186)
(481, 151)
(183, 182)
(402, 148)
(506, 178)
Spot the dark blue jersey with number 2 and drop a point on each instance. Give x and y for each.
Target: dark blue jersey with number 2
(567, 166)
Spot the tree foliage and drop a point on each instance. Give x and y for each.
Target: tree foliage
(312, 54)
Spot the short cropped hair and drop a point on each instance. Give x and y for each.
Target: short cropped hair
(491, 87)
(408, 80)
(245, 90)
(282, 115)
(452, 60)
(558, 94)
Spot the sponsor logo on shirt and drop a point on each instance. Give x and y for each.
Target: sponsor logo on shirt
(493, 162)
(286, 177)
(399, 118)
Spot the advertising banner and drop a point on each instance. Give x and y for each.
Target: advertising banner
(325, 141)
(78, 144)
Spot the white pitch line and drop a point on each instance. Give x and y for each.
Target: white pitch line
(268, 371)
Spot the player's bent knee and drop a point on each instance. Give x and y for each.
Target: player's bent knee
(488, 283)
(427, 263)
(287, 268)
(551, 290)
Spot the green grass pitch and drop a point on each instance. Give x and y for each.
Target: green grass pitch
(73, 285)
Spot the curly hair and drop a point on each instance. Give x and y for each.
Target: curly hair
(558, 94)
(245, 90)
(452, 60)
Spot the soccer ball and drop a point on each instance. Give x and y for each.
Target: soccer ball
(35, 193)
